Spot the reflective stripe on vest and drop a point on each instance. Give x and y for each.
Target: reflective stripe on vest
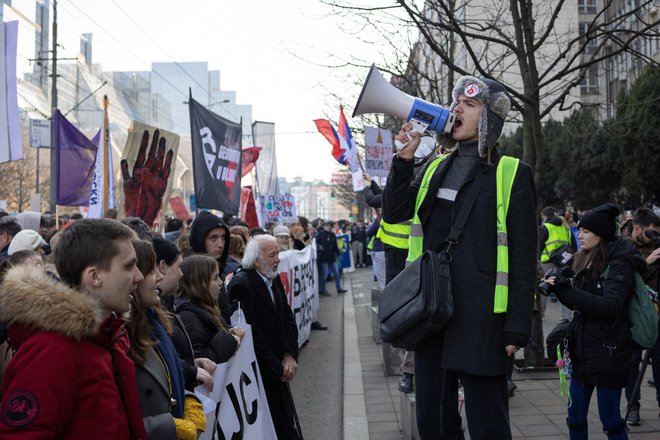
(558, 236)
(394, 234)
(416, 240)
(504, 176)
(370, 243)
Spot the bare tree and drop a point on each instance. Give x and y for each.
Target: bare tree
(19, 178)
(539, 51)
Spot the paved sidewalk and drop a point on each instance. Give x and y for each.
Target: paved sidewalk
(537, 410)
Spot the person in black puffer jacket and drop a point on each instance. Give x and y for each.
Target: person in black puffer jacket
(197, 306)
(602, 342)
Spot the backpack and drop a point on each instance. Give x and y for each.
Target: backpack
(642, 314)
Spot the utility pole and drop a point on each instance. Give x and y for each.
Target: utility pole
(53, 105)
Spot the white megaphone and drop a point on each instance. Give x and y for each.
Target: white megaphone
(379, 96)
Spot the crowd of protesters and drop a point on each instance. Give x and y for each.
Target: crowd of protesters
(150, 313)
(108, 326)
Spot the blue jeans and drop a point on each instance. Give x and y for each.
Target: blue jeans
(609, 400)
(332, 267)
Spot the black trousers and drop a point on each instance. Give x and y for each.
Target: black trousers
(281, 410)
(395, 261)
(486, 399)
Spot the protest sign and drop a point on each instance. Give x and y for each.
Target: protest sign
(299, 276)
(237, 407)
(344, 245)
(278, 208)
(377, 151)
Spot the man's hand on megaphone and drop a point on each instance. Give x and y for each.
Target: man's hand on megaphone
(409, 138)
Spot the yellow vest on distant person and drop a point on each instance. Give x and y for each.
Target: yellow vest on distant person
(395, 235)
(504, 176)
(558, 236)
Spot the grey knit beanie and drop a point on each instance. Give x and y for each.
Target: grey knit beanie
(496, 105)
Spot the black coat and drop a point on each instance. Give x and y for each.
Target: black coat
(602, 319)
(474, 340)
(274, 333)
(326, 244)
(274, 329)
(207, 338)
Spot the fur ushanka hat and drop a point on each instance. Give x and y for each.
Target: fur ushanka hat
(496, 105)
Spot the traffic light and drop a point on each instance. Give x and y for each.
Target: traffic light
(332, 195)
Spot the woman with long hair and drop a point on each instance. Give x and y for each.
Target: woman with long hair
(168, 263)
(197, 306)
(167, 411)
(601, 348)
(236, 250)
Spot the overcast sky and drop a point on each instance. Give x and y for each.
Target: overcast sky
(266, 51)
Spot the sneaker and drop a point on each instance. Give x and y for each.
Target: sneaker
(340, 291)
(633, 417)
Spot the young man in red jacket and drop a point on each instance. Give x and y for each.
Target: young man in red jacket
(70, 377)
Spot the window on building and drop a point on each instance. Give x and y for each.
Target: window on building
(589, 85)
(587, 6)
(583, 28)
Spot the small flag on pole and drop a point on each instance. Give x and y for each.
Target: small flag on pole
(102, 194)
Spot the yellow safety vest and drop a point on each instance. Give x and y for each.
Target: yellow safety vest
(504, 176)
(558, 236)
(395, 235)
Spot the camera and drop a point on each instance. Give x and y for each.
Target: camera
(654, 236)
(562, 277)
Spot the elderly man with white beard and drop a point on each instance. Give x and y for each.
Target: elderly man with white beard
(261, 294)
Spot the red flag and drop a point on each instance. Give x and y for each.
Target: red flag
(248, 209)
(327, 130)
(250, 156)
(179, 208)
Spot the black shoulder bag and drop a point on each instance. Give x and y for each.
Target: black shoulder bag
(418, 301)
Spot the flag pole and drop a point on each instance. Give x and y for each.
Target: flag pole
(105, 135)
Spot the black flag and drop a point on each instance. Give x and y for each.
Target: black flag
(216, 152)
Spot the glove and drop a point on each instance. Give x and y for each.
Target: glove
(193, 412)
(185, 429)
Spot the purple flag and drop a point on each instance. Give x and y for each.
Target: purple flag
(75, 163)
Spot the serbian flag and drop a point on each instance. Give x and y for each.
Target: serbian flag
(346, 138)
(326, 129)
(250, 156)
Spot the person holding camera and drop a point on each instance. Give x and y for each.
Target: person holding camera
(644, 234)
(480, 339)
(602, 344)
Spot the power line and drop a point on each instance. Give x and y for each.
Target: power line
(127, 49)
(159, 47)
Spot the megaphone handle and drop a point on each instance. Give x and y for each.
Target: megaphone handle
(418, 126)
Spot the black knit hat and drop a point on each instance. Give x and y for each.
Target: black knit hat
(601, 221)
(165, 250)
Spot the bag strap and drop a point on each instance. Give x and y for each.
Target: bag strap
(459, 223)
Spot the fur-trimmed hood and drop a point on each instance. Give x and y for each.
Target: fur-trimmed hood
(33, 299)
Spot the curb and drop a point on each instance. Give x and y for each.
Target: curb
(356, 426)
